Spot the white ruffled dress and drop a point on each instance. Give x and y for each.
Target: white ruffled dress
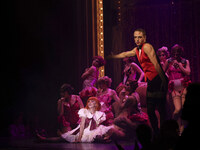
(88, 133)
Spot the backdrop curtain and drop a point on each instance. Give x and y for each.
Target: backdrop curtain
(167, 23)
(45, 44)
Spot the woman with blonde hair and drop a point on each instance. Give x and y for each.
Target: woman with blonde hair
(163, 55)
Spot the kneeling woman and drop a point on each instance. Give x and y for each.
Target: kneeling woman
(90, 126)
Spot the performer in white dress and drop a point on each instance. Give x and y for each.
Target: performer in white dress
(90, 126)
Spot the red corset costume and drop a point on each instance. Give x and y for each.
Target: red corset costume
(70, 116)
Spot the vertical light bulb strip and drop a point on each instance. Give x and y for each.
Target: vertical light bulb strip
(100, 34)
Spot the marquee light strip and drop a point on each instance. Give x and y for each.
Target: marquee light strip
(100, 34)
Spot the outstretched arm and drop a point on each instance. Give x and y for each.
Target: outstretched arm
(124, 54)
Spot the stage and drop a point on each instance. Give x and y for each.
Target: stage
(32, 144)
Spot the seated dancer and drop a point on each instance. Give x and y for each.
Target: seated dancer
(68, 106)
(87, 93)
(131, 69)
(105, 96)
(91, 74)
(90, 126)
(126, 122)
(131, 86)
(117, 105)
(123, 92)
(178, 70)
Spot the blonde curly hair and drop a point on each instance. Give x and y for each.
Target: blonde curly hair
(163, 49)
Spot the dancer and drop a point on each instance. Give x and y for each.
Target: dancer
(68, 107)
(126, 122)
(117, 105)
(105, 95)
(87, 93)
(131, 69)
(178, 70)
(90, 126)
(156, 78)
(163, 55)
(131, 86)
(91, 74)
(124, 92)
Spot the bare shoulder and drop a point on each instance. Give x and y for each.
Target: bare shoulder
(112, 91)
(59, 101)
(187, 61)
(92, 69)
(147, 46)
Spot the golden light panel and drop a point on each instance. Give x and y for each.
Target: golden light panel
(100, 34)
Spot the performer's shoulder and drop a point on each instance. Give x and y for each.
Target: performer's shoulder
(147, 45)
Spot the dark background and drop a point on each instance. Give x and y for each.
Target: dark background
(44, 45)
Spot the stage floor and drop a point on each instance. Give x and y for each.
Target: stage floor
(31, 144)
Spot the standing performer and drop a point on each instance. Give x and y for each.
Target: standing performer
(163, 55)
(155, 76)
(178, 70)
(91, 74)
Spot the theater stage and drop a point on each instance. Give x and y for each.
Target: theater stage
(32, 144)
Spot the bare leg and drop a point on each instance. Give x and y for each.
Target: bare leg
(66, 129)
(114, 133)
(183, 123)
(48, 139)
(177, 104)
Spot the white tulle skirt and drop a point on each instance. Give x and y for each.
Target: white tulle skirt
(88, 135)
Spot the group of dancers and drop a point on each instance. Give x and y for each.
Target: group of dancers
(100, 113)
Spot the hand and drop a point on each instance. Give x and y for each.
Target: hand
(78, 140)
(176, 64)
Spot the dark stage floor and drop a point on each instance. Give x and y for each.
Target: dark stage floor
(31, 144)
